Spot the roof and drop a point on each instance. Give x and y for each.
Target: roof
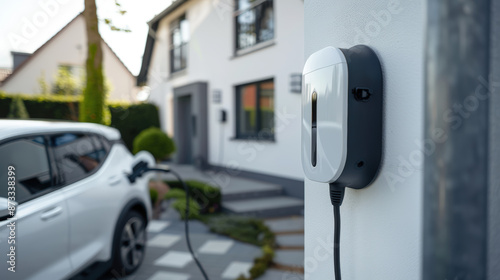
(150, 41)
(26, 62)
(11, 128)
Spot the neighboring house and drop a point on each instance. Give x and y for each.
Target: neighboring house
(4, 73)
(67, 49)
(226, 75)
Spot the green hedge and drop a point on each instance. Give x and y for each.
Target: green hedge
(208, 197)
(129, 119)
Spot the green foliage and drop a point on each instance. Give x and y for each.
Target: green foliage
(245, 229)
(155, 141)
(262, 263)
(17, 109)
(154, 195)
(249, 230)
(42, 83)
(208, 197)
(128, 119)
(131, 120)
(175, 194)
(65, 83)
(92, 106)
(194, 208)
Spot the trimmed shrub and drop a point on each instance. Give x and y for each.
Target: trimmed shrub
(175, 194)
(154, 141)
(17, 109)
(180, 206)
(208, 197)
(154, 195)
(43, 106)
(131, 120)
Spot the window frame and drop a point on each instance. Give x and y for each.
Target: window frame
(171, 46)
(258, 43)
(256, 135)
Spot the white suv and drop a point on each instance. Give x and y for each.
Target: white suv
(75, 205)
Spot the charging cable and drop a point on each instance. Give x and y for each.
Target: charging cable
(336, 197)
(142, 167)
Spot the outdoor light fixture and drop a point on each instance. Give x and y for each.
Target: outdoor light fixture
(342, 123)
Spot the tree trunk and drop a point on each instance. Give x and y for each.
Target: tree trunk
(92, 106)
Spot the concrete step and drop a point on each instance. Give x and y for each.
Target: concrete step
(288, 224)
(290, 240)
(292, 258)
(241, 189)
(277, 206)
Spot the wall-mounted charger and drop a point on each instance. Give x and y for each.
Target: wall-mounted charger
(342, 116)
(342, 102)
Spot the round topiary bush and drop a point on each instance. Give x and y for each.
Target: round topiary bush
(154, 141)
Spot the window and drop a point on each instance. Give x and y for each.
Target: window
(76, 155)
(255, 110)
(179, 38)
(32, 170)
(254, 22)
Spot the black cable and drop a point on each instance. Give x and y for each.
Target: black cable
(186, 220)
(336, 242)
(336, 197)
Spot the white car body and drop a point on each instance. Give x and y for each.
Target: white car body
(71, 226)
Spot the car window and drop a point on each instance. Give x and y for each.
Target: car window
(31, 170)
(76, 155)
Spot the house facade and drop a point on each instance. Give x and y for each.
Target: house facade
(226, 76)
(67, 50)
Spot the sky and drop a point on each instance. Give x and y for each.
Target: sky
(25, 25)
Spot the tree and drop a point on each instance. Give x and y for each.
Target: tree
(93, 102)
(92, 106)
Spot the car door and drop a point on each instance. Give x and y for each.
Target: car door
(38, 232)
(92, 205)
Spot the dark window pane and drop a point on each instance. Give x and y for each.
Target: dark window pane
(76, 156)
(266, 17)
(255, 110)
(179, 38)
(266, 108)
(32, 172)
(246, 29)
(254, 23)
(248, 110)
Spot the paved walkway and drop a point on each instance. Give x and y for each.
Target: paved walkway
(167, 256)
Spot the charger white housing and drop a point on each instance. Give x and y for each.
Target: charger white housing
(342, 116)
(325, 75)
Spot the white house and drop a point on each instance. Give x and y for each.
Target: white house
(68, 49)
(226, 76)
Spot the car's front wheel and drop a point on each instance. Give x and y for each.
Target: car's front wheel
(129, 244)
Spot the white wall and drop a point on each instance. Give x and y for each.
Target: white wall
(381, 225)
(70, 48)
(211, 60)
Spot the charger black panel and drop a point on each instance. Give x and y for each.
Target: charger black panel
(364, 118)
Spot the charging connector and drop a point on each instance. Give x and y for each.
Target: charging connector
(142, 167)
